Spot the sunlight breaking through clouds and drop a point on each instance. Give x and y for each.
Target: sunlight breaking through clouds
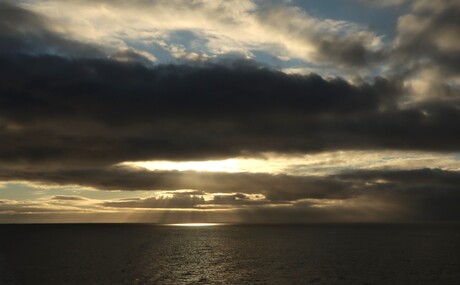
(227, 165)
(220, 110)
(311, 164)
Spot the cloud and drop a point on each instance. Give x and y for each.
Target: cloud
(219, 27)
(23, 31)
(176, 201)
(392, 195)
(274, 187)
(130, 55)
(324, 41)
(427, 194)
(430, 34)
(105, 112)
(428, 45)
(69, 198)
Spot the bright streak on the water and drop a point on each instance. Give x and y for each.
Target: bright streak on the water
(195, 224)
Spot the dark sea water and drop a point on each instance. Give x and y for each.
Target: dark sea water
(231, 254)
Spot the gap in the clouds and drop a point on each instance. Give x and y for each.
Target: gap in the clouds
(227, 165)
(316, 164)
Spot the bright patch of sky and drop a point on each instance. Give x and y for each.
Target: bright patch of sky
(381, 20)
(27, 191)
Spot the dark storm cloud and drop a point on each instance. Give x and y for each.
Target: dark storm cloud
(349, 52)
(24, 31)
(58, 111)
(104, 111)
(432, 194)
(99, 111)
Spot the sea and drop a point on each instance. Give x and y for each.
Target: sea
(230, 254)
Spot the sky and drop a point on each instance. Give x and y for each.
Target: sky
(237, 111)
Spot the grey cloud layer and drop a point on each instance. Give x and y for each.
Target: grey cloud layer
(423, 195)
(429, 36)
(102, 111)
(99, 111)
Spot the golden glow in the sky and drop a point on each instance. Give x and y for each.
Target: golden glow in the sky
(227, 165)
(310, 164)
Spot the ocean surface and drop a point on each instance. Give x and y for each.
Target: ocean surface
(229, 254)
